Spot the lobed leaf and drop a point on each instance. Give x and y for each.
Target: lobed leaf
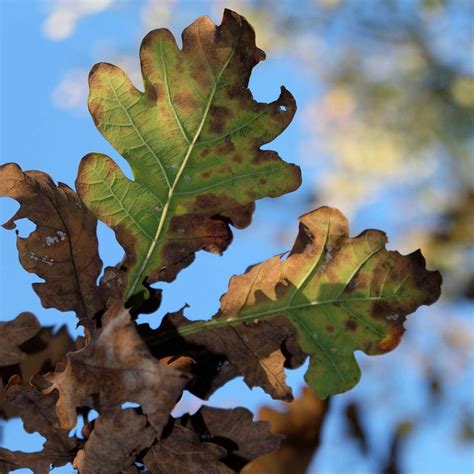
(63, 249)
(214, 440)
(114, 443)
(192, 139)
(332, 295)
(42, 352)
(114, 367)
(38, 414)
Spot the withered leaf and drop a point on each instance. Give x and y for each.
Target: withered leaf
(338, 294)
(13, 334)
(301, 424)
(192, 139)
(213, 440)
(63, 249)
(43, 351)
(38, 462)
(38, 414)
(184, 448)
(114, 443)
(115, 367)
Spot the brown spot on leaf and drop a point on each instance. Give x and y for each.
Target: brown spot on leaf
(219, 116)
(184, 100)
(152, 92)
(351, 324)
(207, 201)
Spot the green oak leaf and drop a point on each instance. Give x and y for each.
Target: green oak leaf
(332, 295)
(192, 139)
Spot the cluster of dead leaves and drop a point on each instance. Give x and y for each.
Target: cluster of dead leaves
(193, 141)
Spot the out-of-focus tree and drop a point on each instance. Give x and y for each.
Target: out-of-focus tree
(393, 109)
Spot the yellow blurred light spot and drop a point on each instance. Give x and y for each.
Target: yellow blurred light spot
(328, 3)
(462, 91)
(338, 103)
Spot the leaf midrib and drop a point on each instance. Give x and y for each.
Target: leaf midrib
(166, 207)
(213, 323)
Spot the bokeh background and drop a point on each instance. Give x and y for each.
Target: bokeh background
(384, 131)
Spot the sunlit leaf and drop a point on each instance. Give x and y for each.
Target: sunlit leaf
(192, 139)
(333, 293)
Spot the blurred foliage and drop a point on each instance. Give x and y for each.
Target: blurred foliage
(301, 423)
(395, 109)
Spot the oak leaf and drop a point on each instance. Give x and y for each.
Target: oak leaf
(38, 414)
(192, 139)
(114, 443)
(13, 334)
(334, 293)
(184, 448)
(43, 351)
(63, 249)
(213, 440)
(113, 368)
(258, 352)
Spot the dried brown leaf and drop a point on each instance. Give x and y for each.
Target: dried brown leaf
(38, 414)
(63, 249)
(115, 367)
(114, 443)
(183, 448)
(214, 440)
(43, 352)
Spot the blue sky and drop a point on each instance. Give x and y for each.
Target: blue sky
(38, 134)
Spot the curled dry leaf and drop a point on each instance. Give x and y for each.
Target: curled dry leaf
(38, 462)
(13, 334)
(192, 139)
(337, 294)
(114, 443)
(43, 351)
(63, 249)
(38, 414)
(115, 367)
(301, 424)
(214, 440)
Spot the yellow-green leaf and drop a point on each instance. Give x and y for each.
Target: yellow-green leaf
(192, 139)
(334, 294)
